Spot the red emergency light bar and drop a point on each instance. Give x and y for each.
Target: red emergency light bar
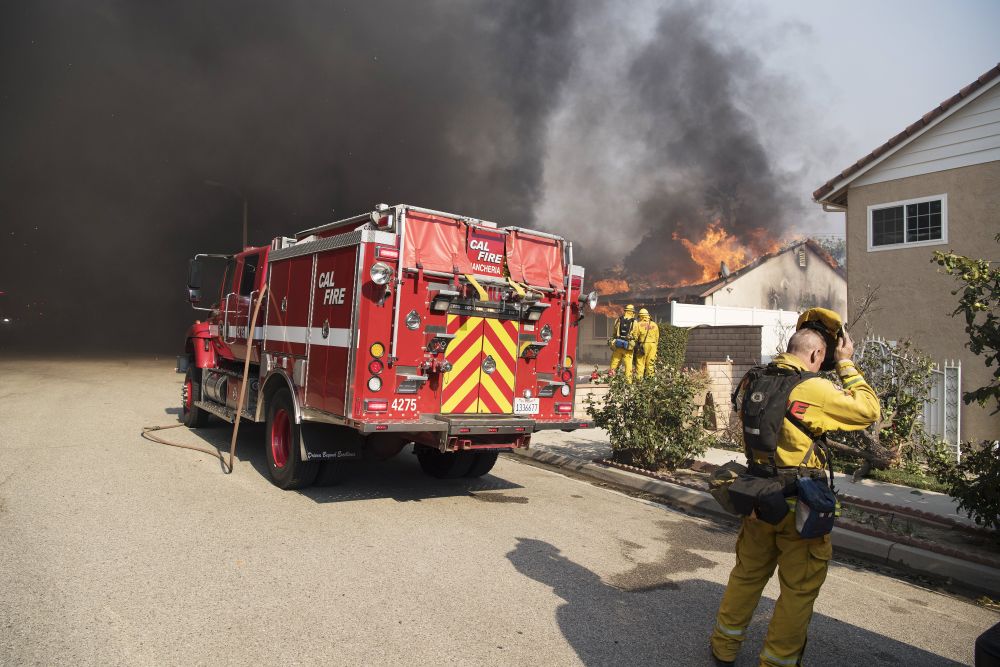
(376, 405)
(383, 252)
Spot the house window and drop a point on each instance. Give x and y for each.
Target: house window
(914, 222)
(600, 326)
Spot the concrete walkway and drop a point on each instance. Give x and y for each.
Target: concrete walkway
(590, 444)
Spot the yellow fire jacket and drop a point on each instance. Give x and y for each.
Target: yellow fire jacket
(823, 407)
(645, 331)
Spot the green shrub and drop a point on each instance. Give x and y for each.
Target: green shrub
(672, 345)
(653, 422)
(975, 482)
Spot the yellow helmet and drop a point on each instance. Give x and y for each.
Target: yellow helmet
(630, 308)
(829, 324)
(643, 311)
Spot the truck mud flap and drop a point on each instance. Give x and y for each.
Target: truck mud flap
(323, 442)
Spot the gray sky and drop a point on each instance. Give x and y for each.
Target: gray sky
(872, 68)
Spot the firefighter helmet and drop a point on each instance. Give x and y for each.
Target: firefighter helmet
(829, 325)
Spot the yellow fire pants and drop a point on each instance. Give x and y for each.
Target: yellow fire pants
(644, 363)
(620, 356)
(802, 568)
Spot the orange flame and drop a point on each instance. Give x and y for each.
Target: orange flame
(718, 246)
(611, 286)
(715, 247)
(609, 310)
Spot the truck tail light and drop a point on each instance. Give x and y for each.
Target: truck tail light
(383, 252)
(564, 408)
(374, 383)
(375, 366)
(377, 350)
(376, 406)
(567, 376)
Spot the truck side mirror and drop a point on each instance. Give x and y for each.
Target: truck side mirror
(194, 274)
(194, 281)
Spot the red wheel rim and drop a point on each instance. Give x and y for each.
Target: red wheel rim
(187, 397)
(281, 436)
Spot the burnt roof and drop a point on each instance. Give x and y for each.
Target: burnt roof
(912, 129)
(692, 293)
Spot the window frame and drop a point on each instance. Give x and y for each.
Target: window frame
(607, 327)
(943, 198)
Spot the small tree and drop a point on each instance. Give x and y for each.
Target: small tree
(975, 481)
(653, 422)
(979, 285)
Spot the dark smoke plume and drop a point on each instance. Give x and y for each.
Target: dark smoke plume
(614, 124)
(115, 113)
(669, 127)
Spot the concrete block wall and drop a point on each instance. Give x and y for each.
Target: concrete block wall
(741, 344)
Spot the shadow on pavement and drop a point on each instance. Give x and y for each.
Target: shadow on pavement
(650, 616)
(400, 478)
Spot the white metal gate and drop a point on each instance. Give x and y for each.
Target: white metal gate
(942, 414)
(943, 407)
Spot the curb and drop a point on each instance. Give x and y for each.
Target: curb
(875, 549)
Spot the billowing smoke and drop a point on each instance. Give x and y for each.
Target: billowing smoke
(615, 126)
(115, 113)
(663, 131)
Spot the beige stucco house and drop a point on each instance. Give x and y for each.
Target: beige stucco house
(934, 186)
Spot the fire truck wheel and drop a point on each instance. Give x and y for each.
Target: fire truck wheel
(444, 466)
(483, 463)
(282, 443)
(191, 414)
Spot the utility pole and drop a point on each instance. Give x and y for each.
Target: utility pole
(231, 188)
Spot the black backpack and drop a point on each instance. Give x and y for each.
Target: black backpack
(764, 405)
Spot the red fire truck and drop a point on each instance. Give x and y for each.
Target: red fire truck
(402, 325)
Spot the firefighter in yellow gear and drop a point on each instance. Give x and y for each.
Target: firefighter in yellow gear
(646, 336)
(820, 406)
(622, 346)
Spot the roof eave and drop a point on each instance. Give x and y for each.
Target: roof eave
(834, 191)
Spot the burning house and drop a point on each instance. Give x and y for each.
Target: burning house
(798, 276)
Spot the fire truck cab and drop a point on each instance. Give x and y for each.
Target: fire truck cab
(402, 325)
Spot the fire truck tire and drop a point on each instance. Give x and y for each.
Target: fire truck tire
(282, 445)
(191, 414)
(482, 464)
(444, 466)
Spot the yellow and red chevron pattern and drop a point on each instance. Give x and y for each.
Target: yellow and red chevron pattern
(466, 388)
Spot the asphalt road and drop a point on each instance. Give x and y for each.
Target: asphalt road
(115, 550)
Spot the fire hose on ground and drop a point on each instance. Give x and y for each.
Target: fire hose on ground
(147, 431)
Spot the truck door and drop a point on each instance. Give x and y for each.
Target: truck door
(246, 287)
(483, 356)
(331, 329)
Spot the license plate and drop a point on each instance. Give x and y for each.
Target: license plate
(526, 406)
